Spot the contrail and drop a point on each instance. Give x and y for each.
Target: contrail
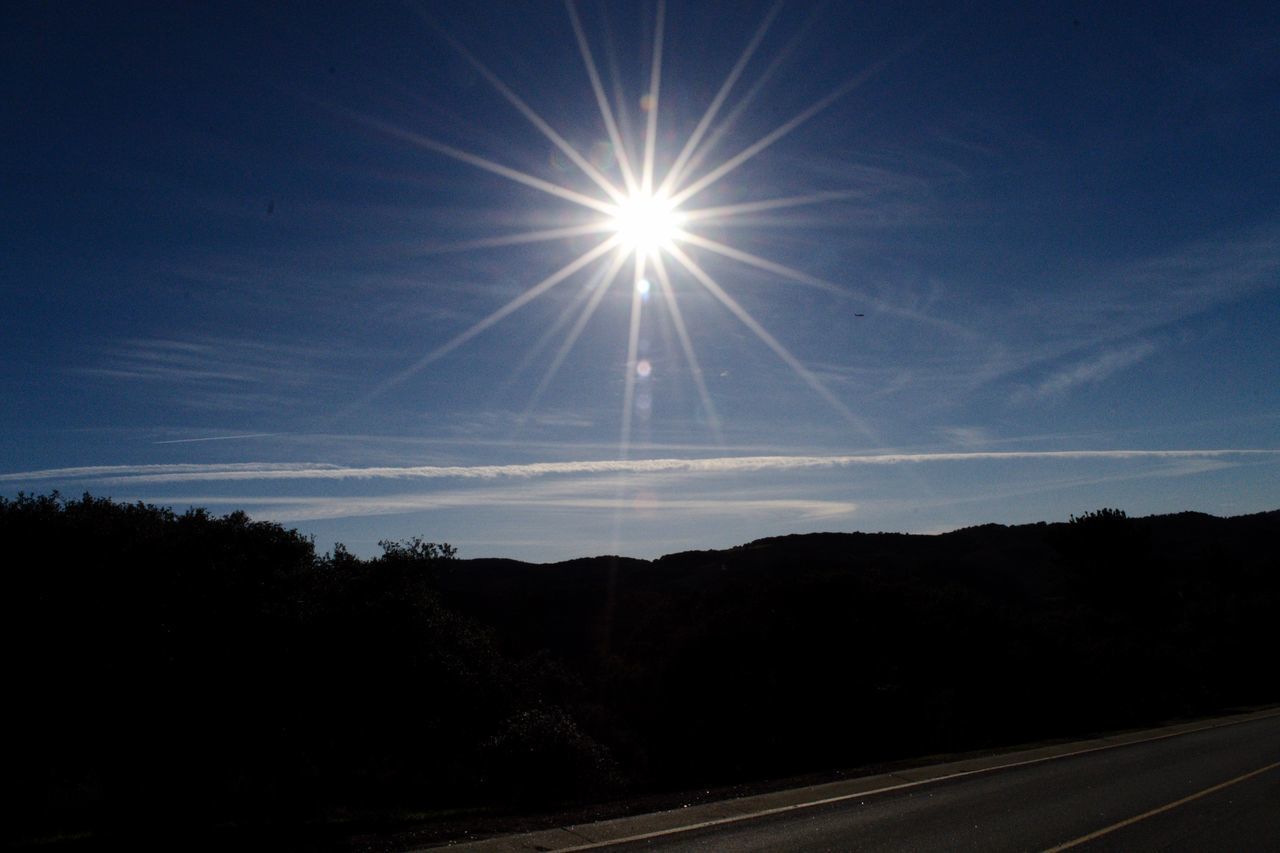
(249, 471)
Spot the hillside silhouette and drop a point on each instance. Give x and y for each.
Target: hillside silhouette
(185, 669)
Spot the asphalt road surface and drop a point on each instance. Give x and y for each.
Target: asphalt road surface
(1214, 790)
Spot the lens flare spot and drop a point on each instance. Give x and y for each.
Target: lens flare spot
(643, 287)
(602, 157)
(644, 368)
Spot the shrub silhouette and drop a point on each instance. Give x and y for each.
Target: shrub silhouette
(540, 755)
(1110, 553)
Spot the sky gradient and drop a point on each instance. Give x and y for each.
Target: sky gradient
(353, 268)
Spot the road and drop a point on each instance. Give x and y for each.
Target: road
(1217, 789)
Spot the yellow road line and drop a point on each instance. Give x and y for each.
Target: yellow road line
(1166, 807)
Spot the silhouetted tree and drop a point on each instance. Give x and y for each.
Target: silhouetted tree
(1102, 516)
(416, 550)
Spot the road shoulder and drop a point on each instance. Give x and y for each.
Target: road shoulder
(636, 827)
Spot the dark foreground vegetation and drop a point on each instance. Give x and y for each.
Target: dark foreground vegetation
(169, 670)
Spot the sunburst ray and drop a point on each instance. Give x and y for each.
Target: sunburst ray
(518, 239)
(602, 101)
(766, 338)
(633, 346)
(820, 284)
(728, 211)
(536, 120)
(514, 305)
(748, 98)
(598, 292)
(675, 172)
(686, 344)
(760, 263)
(596, 286)
(484, 163)
(783, 129)
(651, 119)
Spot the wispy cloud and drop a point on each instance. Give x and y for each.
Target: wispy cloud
(217, 372)
(1099, 322)
(224, 360)
(1136, 298)
(1093, 370)
(215, 438)
(298, 509)
(967, 436)
(254, 471)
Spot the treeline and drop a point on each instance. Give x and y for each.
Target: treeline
(167, 670)
(193, 669)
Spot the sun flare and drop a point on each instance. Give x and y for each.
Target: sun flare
(644, 206)
(646, 222)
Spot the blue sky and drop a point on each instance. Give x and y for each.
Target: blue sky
(930, 266)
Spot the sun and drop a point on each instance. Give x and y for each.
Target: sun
(646, 222)
(644, 212)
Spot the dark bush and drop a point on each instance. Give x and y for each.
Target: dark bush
(540, 756)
